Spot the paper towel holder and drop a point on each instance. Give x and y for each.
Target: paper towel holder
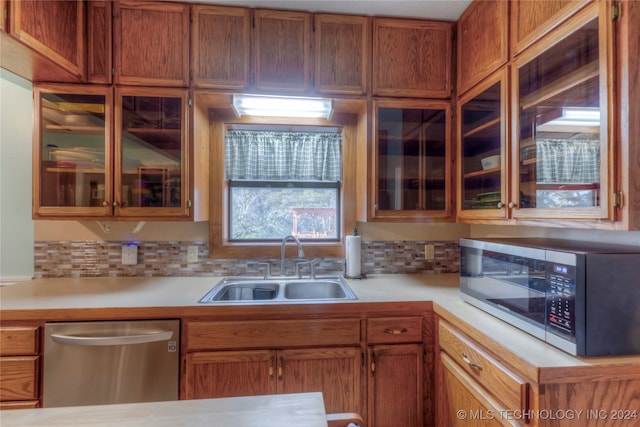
(346, 261)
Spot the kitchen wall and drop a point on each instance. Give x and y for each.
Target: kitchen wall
(16, 226)
(71, 248)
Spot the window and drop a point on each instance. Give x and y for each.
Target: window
(283, 182)
(214, 117)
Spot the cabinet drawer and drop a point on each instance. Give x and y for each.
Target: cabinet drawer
(18, 378)
(17, 340)
(394, 330)
(506, 386)
(272, 333)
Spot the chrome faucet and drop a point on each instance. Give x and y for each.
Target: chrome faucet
(282, 251)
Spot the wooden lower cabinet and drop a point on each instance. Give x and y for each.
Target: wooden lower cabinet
(335, 372)
(19, 367)
(395, 385)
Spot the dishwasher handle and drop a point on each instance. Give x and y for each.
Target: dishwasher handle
(112, 340)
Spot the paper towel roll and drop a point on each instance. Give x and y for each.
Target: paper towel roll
(353, 257)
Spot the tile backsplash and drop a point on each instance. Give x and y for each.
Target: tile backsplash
(158, 259)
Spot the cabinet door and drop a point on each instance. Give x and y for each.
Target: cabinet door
(564, 122)
(221, 47)
(532, 19)
(151, 156)
(99, 41)
(465, 402)
(230, 373)
(482, 41)
(282, 51)
(336, 372)
(72, 155)
(55, 29)
(411, 160)
(482, 150)
(151, 43)
(18, 378)
(395, 385)
(341, 53)
(412, 58)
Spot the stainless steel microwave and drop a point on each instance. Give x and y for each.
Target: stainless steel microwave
(582, 297)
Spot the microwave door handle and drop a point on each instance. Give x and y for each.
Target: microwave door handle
(112, 340)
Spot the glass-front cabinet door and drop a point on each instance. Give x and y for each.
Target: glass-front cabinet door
(562, 121)
(72, 156)
(411, 160)
(482, 150)
(151, 152)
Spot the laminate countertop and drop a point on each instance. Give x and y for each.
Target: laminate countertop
(63, 299)
(282, 410)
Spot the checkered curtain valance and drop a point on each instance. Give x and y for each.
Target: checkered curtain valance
(283, 156)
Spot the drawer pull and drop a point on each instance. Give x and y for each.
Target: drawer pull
(396, 331)
(470, 362)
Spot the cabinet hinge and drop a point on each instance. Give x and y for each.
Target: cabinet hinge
(616, 11)
(189, 203)
(618, 199)
(190, 102)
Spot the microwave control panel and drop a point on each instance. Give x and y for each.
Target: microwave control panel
(561, 290)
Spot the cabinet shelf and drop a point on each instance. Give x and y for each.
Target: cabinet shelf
(93, 130)
(482, 129)
(482, 172)
(569, 81)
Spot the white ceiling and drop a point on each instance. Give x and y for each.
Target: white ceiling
(448, 10)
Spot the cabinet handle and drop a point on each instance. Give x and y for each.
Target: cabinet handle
(512, 205)
(280, 368)
(105, 203)
(271, 363)
(470, 362)
(500, 205)
(395, 331)
(373, 364)
(115, 204)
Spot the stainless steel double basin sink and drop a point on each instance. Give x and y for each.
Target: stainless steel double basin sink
(286, 289)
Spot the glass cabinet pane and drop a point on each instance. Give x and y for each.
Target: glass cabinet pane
(411, 162)
(73, 143)
(560, 147)
(481, 145)
(151, 151)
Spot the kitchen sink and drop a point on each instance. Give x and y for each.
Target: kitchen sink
(242, 290)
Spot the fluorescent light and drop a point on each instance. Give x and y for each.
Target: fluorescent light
(573, 119)
(278, 106)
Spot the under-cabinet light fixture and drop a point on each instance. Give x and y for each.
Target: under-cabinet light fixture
(278, 106)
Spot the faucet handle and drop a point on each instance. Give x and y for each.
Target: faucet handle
(300, 263)
(267, 271)
(312, 265)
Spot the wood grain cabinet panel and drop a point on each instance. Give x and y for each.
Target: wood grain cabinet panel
(16, 340)
(18, 376)
(341, 53)
(151, 42)
(412, 58)
(221, 41)
(395, 385)
(99, 41)
(388, 330)
(54, 29)
(532, 19)
(482, 41)
(282, 51)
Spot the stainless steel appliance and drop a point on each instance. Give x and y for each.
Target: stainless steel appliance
(582, 297)
(90, 363)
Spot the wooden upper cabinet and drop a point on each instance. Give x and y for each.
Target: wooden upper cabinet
(221, 43)
(151, 41)
(99, 41)
(54, 29)
(341, 53)
(282, 51)
(532, 19)
(482, 41)
(412, 58)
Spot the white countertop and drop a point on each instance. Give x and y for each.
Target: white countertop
(172, 296)
(282, 410)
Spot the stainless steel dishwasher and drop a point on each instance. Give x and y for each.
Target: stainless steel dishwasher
(91, 363)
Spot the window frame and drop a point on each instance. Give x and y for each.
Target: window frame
(212, 117)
